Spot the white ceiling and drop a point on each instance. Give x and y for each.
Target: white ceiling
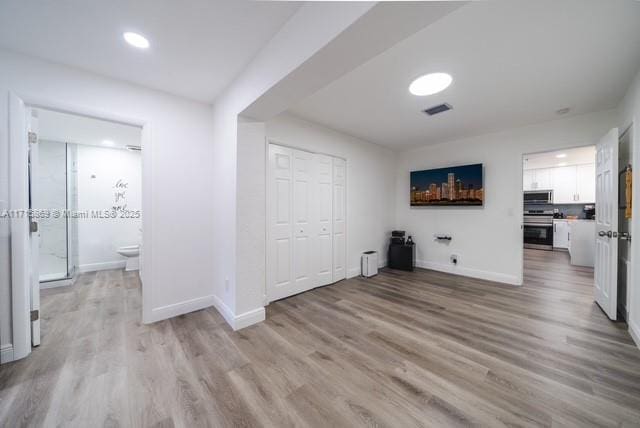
(197, 46)
(577, 156)
(71, 128)
(513, 63)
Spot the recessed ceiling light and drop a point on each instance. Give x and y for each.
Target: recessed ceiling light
(137, 40)
(108, 143)
(561, 155)
(562, 164)
(430, 84)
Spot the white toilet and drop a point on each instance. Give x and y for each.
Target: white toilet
(132, 253)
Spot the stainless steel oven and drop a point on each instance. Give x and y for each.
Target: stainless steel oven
(538, 197)
(538, 230)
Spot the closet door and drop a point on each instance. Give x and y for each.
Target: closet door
(280, 281)
(323, 220)
(339, 219)
(302, 224)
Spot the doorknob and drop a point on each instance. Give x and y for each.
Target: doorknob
(602, 233)
(609, 234)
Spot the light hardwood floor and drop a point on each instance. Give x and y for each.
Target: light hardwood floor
(400, 349)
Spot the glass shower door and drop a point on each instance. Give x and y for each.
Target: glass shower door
(52, 198)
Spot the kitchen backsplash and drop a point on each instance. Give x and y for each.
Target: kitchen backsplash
(566, 209)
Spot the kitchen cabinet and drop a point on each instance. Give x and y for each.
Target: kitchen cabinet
(582, 245)
(570, 184)
(564, 185)
(528, 179)
(586, 183)
(537, 179)
(561, 234)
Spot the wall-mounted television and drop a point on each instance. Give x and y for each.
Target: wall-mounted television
(456, 185)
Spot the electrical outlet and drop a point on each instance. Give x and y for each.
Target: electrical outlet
(226, 283)
(454, 259)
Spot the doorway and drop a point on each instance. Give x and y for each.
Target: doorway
(559, 205)
(62, 179)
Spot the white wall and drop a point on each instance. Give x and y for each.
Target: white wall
(177, 164)
(310, 29)
(629, 112)
(99, 169)
(488, 240)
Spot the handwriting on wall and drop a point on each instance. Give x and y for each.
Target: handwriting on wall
(120, 195)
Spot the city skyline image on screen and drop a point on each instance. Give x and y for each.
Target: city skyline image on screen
(458, 185)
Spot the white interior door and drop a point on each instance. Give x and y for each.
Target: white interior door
(339, 219)
(302, 197)
(323, 209)
(34, 234)
(280, 281)
(606, 259)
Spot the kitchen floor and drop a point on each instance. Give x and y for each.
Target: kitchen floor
(553, 269)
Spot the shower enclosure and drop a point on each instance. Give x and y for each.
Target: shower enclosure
(56, 197)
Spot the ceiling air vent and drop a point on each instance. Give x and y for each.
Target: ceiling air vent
(437, 109)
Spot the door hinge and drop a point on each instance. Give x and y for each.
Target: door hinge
(35, 315)
(33, 137)
(33, 226)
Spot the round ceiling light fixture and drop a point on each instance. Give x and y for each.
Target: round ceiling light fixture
(136, 40)
(430, 84)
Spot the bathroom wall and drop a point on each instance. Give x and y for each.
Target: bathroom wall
(107, 178)
(51, 194)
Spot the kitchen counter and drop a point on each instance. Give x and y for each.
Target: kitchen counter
(582, 242)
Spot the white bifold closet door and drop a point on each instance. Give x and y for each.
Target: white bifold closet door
(305, 221)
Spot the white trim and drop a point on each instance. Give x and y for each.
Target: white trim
(19, 227)
(92, 267)
(355, 271)
(237, 322)
(249, 318)
(58, 283)
(635, 333)
(6, 354)
(472, 273)
(175, 309)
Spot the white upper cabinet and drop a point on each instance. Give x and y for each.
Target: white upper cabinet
(537, 179)
(544, 179)
(570, 184)
(528, 179)
(586, 183)
(564, 185)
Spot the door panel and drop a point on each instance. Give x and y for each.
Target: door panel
(303, 184)
(324, 219)
(339, 219)
(606, 263)
(279, 226)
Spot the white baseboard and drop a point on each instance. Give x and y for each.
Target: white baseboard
(237, 322)
(92, 267)
(355, 271)
(635, 333)
(472, 273)
(170, 311)
(6, 354)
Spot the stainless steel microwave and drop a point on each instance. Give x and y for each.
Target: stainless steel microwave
(538, 197)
